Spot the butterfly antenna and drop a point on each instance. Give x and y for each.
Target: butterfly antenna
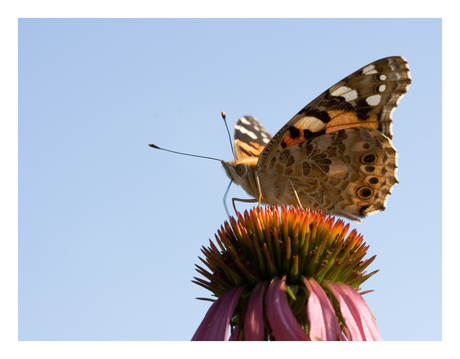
(182, 153)
(229, 137)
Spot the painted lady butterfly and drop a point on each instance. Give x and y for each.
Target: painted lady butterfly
(334, 155)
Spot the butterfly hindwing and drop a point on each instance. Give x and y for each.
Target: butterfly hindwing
(348, 173)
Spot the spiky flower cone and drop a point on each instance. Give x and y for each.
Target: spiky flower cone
(284, 273)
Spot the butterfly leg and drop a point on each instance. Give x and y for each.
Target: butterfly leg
(260, 190)
(251, 200)
(295, 193)
(225, 198)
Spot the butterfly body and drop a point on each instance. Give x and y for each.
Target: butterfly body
(334, 155)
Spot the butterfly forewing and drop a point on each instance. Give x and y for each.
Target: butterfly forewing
(250, 138)
(366, 98)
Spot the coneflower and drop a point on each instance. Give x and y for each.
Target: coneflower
(284, 273)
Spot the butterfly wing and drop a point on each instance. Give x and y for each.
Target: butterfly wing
(336, 153)
(250, 138)
(366, 98)
(349, 173)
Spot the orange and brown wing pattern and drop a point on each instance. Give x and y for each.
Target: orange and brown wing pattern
(349, 173)
(366, 98)
(250, 138)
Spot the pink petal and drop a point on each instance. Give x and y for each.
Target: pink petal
(216, 321)
(254, 320)
(282, 321)
(354, 311)
(368, 321)
(323, 321)
(348, 314)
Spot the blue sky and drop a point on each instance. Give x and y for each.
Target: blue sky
(110, 229)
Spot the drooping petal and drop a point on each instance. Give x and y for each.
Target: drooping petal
(323, 320)
(254, 320)
(216, 321)
(354, 313)
(282, 322)
(371, 331)
(349, 315)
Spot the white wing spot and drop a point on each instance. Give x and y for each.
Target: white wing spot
(347, 93)
(311, 123)
(265, 137)
(373, 100)
(350, 96)
(245, 120)
(383, 77)
(382, 88)
(340, 91)
(369, 69)
(246, 131)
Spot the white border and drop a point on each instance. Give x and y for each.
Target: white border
(353, 9)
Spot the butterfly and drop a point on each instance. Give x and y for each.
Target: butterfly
(335, 155)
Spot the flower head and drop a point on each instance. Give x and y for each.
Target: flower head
(284, 273)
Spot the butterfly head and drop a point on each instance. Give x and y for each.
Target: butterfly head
(243, 173)
(237, 172)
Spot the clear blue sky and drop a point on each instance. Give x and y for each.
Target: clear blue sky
(110, 229)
